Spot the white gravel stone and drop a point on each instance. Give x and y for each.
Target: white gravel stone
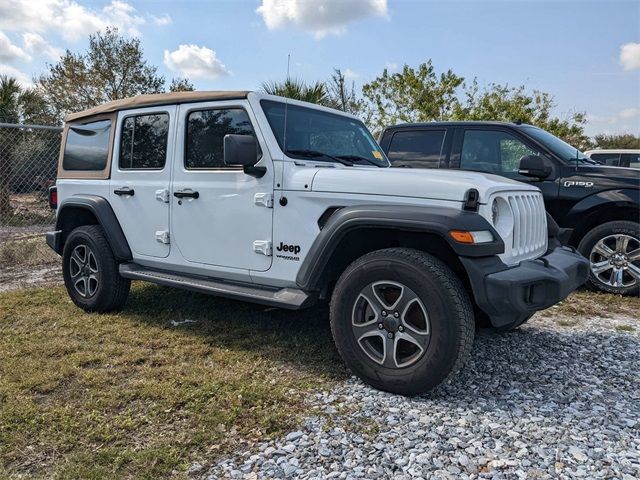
(544, 402)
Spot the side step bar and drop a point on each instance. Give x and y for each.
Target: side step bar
(290, 298)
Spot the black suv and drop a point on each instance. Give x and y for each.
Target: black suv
(597, 204)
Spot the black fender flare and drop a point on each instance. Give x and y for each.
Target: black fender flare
(433, 220)
(615, 198)
(101, 209)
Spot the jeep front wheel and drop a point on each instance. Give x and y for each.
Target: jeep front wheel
(91, 273)
(401, 320)
(613, 251)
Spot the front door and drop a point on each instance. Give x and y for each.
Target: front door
(220, 215)
(140, 177)
(498, 151)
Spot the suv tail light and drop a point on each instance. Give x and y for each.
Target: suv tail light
(53, 197)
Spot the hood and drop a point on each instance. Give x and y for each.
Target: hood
(417, 183)
(609, 173)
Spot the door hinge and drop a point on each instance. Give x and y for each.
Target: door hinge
(162, 236)
(263, 247)
(163, 195)
(264, 199)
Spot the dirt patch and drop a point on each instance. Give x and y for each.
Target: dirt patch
(14, 278)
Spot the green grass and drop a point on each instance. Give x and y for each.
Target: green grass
(586, 303)
(129, 395)
(624, 328)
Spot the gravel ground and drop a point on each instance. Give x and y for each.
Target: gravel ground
(557, 399)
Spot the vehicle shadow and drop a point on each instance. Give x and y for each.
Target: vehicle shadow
(300, 339)
(547, 367)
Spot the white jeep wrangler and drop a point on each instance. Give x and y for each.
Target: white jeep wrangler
(284, 203)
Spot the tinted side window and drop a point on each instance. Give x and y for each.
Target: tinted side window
(143, 141)
(492, 151)
(419, 148)
(630, 160)
(87, 146)
(205, 135)
(611, 159)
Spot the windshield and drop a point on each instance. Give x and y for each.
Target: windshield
(323, 136)
(559, 147)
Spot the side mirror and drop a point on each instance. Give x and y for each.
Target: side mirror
(243, 150)
(534, 166)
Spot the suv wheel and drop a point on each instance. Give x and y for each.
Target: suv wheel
(401, 320)
(613, 250)
(91, 273)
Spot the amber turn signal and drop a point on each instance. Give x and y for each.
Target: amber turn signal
(461, 237)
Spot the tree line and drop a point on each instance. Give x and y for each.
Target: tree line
(114, 67)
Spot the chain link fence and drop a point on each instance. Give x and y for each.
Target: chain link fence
(28, 163)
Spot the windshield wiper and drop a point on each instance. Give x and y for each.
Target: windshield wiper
(357, 158)
(316, 154)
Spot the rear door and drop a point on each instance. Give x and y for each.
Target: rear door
(140, 177)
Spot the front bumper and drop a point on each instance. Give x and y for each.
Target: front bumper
(508, 295)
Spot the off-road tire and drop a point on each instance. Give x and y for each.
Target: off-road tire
(111, 290)
(586, 246)
(447, 304)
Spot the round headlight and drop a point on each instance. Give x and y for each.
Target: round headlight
(502, 217)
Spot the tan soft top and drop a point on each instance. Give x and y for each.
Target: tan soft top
(157, 99)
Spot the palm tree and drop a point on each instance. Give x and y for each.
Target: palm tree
(299, 90)
(10, 91)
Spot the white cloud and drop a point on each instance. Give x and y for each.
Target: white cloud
(630, 56)
(624, 114)
(162, 20)
(10, 52)
(123, 16)
(350, 74)
(68, 17)
(37, 45)
(195, 62)
(22, 77)
(392, 67)
(629, 113)
(320, 17)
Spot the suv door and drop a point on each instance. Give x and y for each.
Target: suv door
(498, 150)
(140, 176)
(228, 222)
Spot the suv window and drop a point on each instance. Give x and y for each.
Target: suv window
(143, 141)
(630, 160)
(87, 146)
(205, 135)
(492, 151)
(417, 148)
(611, 159)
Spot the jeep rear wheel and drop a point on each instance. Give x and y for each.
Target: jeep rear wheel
(91, 273)
(401, 320)
(613, 251)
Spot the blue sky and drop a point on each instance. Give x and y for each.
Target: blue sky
(586, 54)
